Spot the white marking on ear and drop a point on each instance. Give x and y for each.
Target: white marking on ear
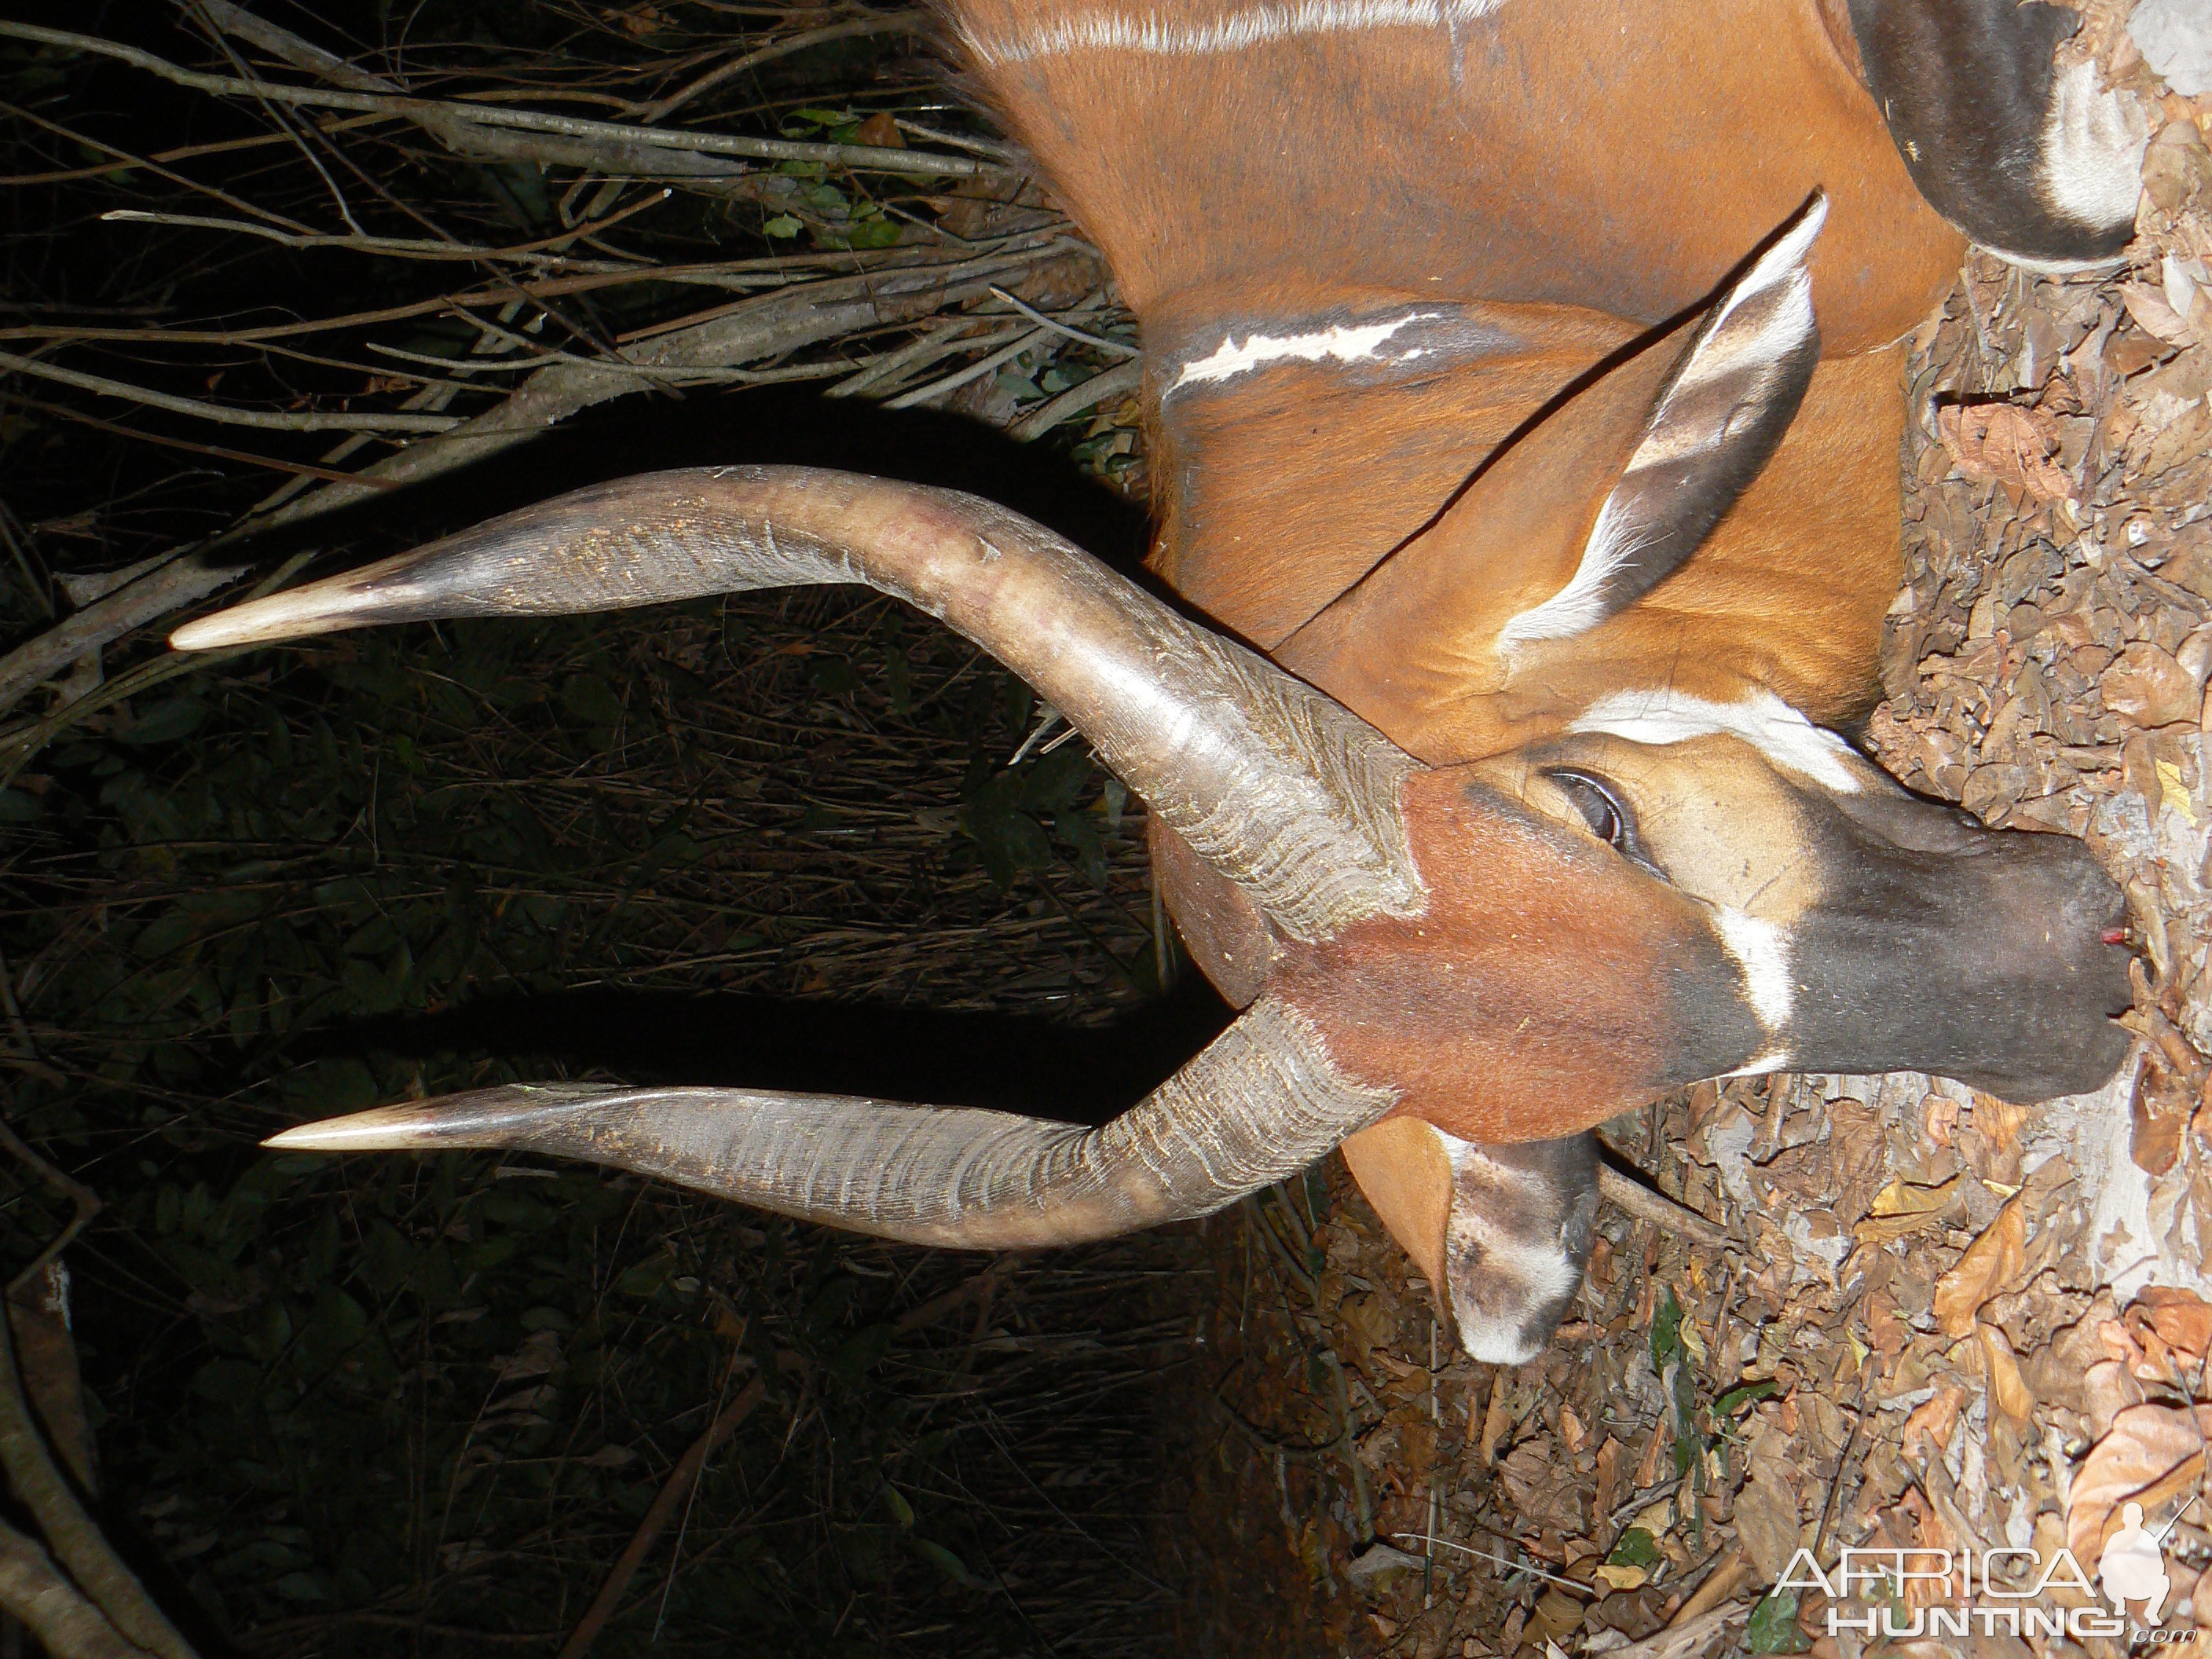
(2093, 150)
(1341, 343)
(1762, 951)
(1761, 322)
(1761, 719)
(1232, 30)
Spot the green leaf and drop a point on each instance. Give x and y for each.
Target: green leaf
(945, 1561)
(1773, 1627)
(232, 1382)
(1634, 1548)
(1666, 1333)
(166, 721)
(851, 1363)
(1744, 1395)
(901, 1511)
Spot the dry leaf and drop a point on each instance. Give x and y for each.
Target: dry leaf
(1990, 1264)
(1497, 1419)
(1933, 1419)
(2148, 307)
(2151, 1454)
(2006, 444)
(2146, 685)
(2007, 1386)
(1622, 1579)
(1767, 1524)
(2107, 1389)
(1607, 1474)
(1901, 1207)
(2182, 1319)
(881, 131)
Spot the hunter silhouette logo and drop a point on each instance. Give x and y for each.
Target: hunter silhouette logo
(2132, 1567)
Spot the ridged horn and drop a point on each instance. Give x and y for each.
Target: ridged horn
(1275, 786)
(1256, 1106)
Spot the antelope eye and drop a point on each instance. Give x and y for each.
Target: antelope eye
(1607, 815)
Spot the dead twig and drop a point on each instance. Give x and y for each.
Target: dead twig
(1631, 1199)
(681, 1479)
(81, 1197)
(260, 419)
(860, 158)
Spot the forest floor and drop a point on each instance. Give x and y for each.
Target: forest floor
(1941, 1323)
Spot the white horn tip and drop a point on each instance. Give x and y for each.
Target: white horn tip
(385, 1129)
(280, 617)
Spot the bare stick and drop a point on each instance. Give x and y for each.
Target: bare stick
(170, 588)
(890, 22)
(860, 158)
(1119, 381)
(85, 1202)
(975, 371)
(681, 1478)
(83, 1549)
(1117, 348)
(1663, 1212)
(66, 1624)
(404, 248)
(263, 420)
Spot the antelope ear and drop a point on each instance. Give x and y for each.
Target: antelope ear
(1502, 1233)
(1401, 1166)
(1718, 419)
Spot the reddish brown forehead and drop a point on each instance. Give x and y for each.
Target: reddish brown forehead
(1549, 987)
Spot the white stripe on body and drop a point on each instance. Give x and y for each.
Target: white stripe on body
(1340, 343)
(1761, 719)
(1229, 31)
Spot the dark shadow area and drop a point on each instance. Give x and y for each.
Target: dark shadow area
(1007, 1062)
(785, 426)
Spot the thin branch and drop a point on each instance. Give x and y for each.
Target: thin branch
(1640, 1202)
(89, 143)
(890, 22)
(174, 586)
(84, 1200)
(681, 1479)
(975, 371)
(261, 420)
(1119, 381)
(404, 248)
(297, 468)
(83, 1549)
(1115, 348)
(717, 273)
(183, 153)
(858, 158)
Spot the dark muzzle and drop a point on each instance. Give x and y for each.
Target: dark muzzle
(1997, 961)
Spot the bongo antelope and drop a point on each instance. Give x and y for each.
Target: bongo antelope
(1526, 414)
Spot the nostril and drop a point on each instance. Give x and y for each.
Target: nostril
(2114, 936)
